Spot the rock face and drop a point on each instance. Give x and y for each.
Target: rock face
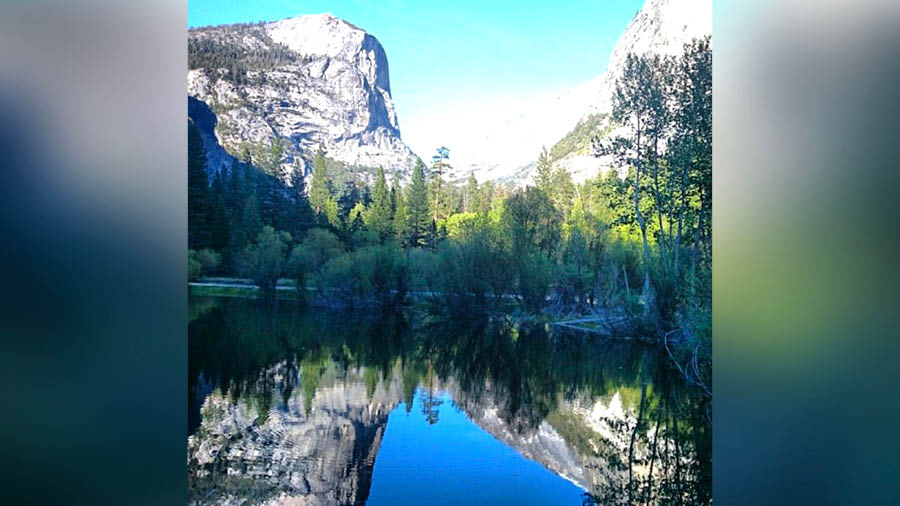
(603, 427)
(310, 80)
(660, 27)
(318, 454)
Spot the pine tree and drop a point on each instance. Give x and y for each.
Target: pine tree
(401, 215)
(379, 212)
(418, 211)
(437, 187)
(218, 218)
(198, 191)
(562, 190)
(301, 213)
(251, 222)
(318, 190)
(471, 194)
(395, 194)
(543, 173)
(235, 195)
(276, 169)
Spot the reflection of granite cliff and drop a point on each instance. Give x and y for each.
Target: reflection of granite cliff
(325, 457)
(585, 442)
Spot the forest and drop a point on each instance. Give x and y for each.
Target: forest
(632, 244)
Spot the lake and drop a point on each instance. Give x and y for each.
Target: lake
(288, 405)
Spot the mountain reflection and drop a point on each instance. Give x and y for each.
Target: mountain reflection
(290, 407)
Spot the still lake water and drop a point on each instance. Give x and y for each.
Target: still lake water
(294, 406)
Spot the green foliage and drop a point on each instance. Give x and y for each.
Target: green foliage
(533, 280)
(330, 211)
(543, 172)
(319, 189)
(579, 140)
(315, 250)
(195, 268)
(532, 221)
(635, 242)
(209, 259)
(222, 47)
(471, 196)
(264, 260)
(471, 273)
(378, 215)
(375, 275)
(198, 191)
(418, 211)
(457, 223)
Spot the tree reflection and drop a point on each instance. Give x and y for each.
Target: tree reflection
(640, 435)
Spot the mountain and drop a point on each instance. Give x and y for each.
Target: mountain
(318, 450)
(564, 123)
(310, 80)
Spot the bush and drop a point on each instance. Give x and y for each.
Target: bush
(265, 260)
(471, 272)
(317, 248)
(572, 289)
(375, 275)
(458, 222)
(195, 268)
(534, 279)
(209, 259)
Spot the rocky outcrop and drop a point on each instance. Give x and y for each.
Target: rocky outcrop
(585, 442)
(321, 454)
(310, 80)
(660, 27)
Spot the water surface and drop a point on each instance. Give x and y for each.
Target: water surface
(294, 406)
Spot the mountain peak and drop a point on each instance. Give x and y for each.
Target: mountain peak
(323, 82)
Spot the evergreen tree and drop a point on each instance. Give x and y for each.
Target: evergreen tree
(437, 187)
(234, 200)
(562, 190)
(471, 194)
(351, 194)
(543, 173)
(379, 212)
(301, 213)
(319, 192)
(198, 191)
(251, 222)
(395, 194)
(274, 209)
(401, 215)
(331, 214)
(218, 219)
(418, 211)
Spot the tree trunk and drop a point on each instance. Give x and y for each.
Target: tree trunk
(659, 204)
(633, 437)
(652, 459)
(640, 218)
(684, 171)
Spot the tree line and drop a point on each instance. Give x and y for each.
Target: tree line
(633, 242)
(223, 47)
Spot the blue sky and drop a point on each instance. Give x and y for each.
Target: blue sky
(465, 55)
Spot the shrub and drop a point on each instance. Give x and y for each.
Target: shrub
(209, 259)
(375, 275)
(264, 260)
(195, 268)
(471, 272)
(534, 279)
(317, 248)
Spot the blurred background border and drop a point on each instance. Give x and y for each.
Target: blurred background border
(94, 243)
